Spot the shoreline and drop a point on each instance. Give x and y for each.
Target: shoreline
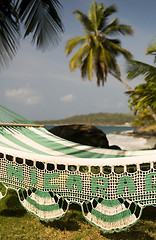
(148, 141)
(135, 134)
(130, 142)
(101, 125)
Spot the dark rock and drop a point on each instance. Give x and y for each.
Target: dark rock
(114, 147)
(83, 134)
(154, 146)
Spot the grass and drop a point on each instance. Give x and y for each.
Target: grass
(17, 223)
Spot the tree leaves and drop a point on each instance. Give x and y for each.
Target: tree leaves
(137, 68)
(41, 18)
(144, 95)
(9, 32)
(102, 51)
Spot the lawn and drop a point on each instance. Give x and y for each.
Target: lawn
(17, 223)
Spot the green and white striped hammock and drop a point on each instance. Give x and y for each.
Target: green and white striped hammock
(49, 173)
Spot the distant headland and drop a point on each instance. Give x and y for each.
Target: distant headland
(94, 119)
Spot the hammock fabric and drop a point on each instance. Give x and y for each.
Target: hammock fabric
(49, 173)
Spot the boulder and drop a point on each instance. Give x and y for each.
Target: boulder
(115, 147)
(83, 134)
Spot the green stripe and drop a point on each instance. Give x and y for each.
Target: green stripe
(7, 145)
(20, 143)
(111, 218)
(7, 115)
(48, 143)
(42, 194)
(62, 148)
(81, 153)
(111, 203)
(44, 208)
(43, 130)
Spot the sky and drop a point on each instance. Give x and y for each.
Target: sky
(40, 86)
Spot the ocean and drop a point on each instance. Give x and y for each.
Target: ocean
(116, 135)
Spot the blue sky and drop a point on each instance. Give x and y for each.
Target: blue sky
(40, 85)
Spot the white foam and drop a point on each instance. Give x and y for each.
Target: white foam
(130, 142)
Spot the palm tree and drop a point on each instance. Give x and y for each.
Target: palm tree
(144, 95)
(99, 51)
(41, 18)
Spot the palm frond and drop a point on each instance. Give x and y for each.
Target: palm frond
(151, 49)
(90, 65)
(102, 64)
(110, 62)
(137, 68)
(105, 55)
(85, 21)
(105, 14)
(9, 32)
(78, 57)
(110, 10)
(119, 29)
(84, 67)
(106, 28)
(42, 19)
(72, 43)
(95, 15)
(117, 50)
(145, 93)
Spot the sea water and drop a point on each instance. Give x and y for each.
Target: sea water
(118, 135)
(105, 129)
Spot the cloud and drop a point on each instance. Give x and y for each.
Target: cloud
(67, 98)
(26, 95)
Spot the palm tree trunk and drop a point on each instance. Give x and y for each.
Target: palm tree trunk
(123, 82)
(150, 110)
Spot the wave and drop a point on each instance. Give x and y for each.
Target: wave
(130, 142)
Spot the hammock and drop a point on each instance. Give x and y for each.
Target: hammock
(49, 173)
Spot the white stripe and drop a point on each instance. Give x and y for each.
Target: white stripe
(59, 140)
(52, 137)
(113, 225)
(42, 201)
(67, 160)
(110, 210)
(12, 144)
(35, 145)
(1, 196)
(42, 214)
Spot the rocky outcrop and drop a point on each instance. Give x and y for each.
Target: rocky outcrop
(146, 131)
(150, 133)
(83, 134)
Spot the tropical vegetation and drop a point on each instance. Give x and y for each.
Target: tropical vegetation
(98, 55)
(99, 51)
(94, 119)
(19, 18)
(143, 97)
